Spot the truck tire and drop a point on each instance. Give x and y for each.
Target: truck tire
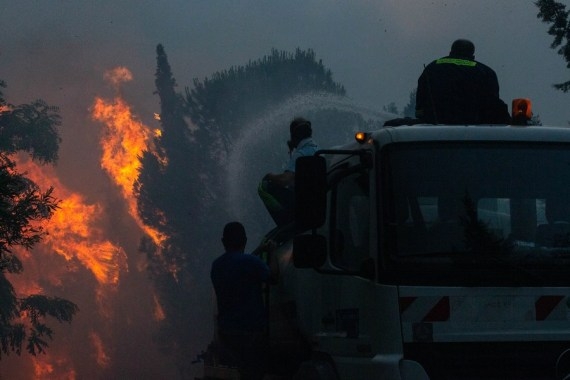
(563, 366)
(315, 370)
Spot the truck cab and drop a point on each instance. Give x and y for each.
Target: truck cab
(431, 252)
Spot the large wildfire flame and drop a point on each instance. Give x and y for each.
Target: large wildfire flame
(74, 230)
(77, 237)
(124, 140)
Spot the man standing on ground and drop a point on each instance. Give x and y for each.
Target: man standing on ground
(242, 316)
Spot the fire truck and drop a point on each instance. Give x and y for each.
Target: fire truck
(432, 252)
(429, 252)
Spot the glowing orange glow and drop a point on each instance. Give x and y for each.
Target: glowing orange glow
(159, 314)
(75, 239)
(42, 369)
(46, 367)
(360, 137)
(123, 142)
(78, 260)
(103, 360)
(27, 287)
(522, 107)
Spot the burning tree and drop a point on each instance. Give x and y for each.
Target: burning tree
(173, 198)
(30, 128)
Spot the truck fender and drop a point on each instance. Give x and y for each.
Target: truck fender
(412, 370)
(315, 370)
(563, 366)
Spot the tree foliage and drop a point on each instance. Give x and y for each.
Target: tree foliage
(410, 108)
(31, 128)
(184, 198)
(229, 97)
(168, 190)
(555, 13)
(391, 108)
(172, 197)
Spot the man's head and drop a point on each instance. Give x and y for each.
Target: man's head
(462, 49)
(234, 237)
(299, 129)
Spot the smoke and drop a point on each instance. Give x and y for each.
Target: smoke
(61, 54)
(256, 151)
(117, 76)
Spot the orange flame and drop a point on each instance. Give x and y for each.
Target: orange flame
(102, 358)
(75, 238)
(123, 142)
(159, 313)
(73, 230)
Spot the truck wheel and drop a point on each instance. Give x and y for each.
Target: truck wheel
(563, 366)
(315, 370)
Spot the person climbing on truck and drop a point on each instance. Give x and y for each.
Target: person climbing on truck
(277, 190)
(457, 89)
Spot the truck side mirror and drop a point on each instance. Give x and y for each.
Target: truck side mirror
(310, 192)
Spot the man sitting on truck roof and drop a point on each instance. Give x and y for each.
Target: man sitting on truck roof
(277, 190)
(457, 89)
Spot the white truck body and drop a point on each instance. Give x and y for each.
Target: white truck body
(435, 256)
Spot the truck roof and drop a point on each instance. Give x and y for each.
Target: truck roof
(424, 132)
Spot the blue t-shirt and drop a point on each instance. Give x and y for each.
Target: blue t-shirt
(306, 147)
(237, 278)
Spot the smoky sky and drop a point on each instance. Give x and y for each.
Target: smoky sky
(58, 50)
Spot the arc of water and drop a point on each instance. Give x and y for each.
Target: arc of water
(274, 123)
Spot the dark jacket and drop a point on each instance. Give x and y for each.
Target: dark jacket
(455, 90)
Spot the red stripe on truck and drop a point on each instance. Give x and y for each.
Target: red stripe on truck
(440, 312)
(544, 306)
(405, 302)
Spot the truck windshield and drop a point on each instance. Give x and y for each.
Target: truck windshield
(495, 213)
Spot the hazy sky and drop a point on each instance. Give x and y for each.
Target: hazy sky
(58, 50)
